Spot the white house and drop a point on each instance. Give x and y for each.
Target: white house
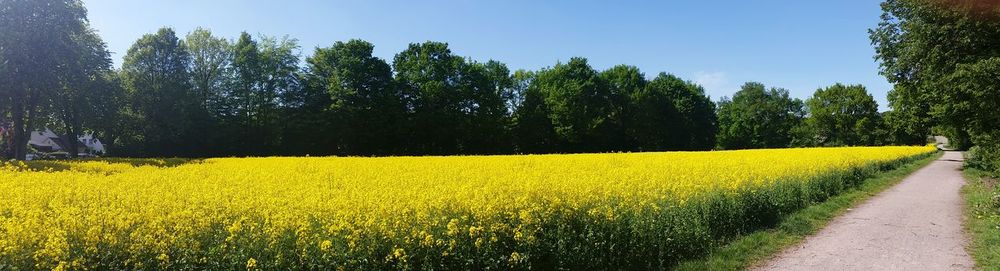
(49, 142)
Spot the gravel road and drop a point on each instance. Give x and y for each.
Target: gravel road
(915, 225)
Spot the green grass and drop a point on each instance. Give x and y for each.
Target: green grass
(982, 217)
(747, 250)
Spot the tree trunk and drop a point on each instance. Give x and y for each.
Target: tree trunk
(73, 126)
(20, 137)
(72, 136)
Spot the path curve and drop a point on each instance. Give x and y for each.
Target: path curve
(915, 225)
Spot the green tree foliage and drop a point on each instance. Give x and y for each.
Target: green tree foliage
(210, 67)
(109, 115)
(842, 115)
(758, 118)
(210, 72)
(454, 106)
(974, 98)
(365, 108)
(428, 75)
(262, 73)
(686, 115)
(486, 86)
(209, 96)
(280, 74)
(41, 41)
(246, 99)
(581, 107)
(900, 129)
(532, 129)
(941, 57)
(155, 75)
(82, 78)
(919, 45)
(625, 88)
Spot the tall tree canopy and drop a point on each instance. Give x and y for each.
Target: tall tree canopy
(487, 87)
(941, 57)
(581, 106)
(366, 109)
(454, 106)
(155, 74)
(908, 45)
(262, 73)
(428, 75)
(532, 129)
(209, 96)
(758, 118)
(975, 98)
(77, 96)
(668, 113)
(696, 122)
(844, 115)
(41, 45)
(210, 66)
(626, 85)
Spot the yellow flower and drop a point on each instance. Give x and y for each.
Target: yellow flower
(163, 258)
(251, 264)
(516, 258)
(475, 231)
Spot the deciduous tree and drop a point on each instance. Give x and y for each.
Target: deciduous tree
(366, 108)
(580, 105)
(38, 41)
(756, 117)
(845, 115)
(155, 75)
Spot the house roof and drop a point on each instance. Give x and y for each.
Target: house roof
(48, 138)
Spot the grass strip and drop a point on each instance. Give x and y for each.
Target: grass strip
(982, 217)
(747, 250)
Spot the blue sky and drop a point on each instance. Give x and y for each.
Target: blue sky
(797, 45)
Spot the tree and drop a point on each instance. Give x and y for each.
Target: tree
(843, 115)
(909, 49)
(427, 74)
(532, 129)
(974, 98)
(699, 115)
(38, 39)
(626, 85)
(280, 74)
(155, 76)
(486, 88)
(454, 106)
(580, 105)
(668, 113)
(907, 123)
(80, 80)
(109, 115)
(261, 74)
(365, 106)
(210, 60)
(244, 97)
(758, 118)
(519, 83)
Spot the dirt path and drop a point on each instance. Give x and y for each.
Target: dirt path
(916, 225)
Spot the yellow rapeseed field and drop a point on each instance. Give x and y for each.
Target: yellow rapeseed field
(579, 211)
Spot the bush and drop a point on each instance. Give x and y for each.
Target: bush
(985, 155)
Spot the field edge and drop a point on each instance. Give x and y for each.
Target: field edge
(982, 218)
(746, 251)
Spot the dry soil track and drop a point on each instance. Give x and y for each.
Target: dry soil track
(915, 225)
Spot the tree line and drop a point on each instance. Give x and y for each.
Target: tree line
(943, 59)
(201, 95)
